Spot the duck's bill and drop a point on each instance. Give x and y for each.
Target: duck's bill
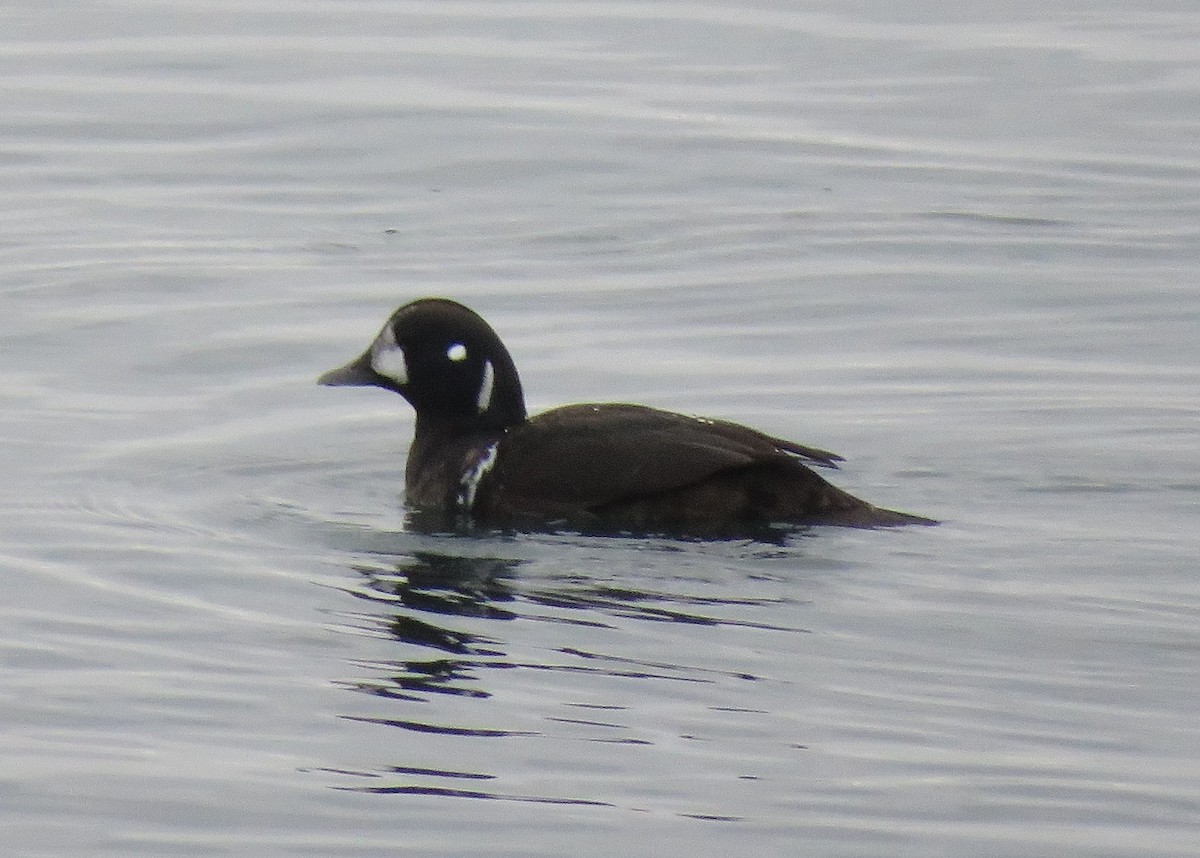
(357, 373)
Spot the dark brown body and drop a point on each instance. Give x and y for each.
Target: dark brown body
(630, 467)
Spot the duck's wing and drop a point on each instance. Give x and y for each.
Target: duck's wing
(583, 457)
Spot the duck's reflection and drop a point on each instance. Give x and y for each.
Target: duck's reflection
(451, 618)
(424, 592)
(448, 584)
(429, 594)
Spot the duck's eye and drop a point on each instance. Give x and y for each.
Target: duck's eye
(457, 352)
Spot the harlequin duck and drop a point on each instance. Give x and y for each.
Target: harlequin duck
(476, 455)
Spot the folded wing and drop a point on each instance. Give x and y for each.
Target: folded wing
(580, 465)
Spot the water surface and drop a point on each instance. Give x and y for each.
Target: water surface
(956, 245)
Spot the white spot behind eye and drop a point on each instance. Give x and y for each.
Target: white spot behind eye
(485, 387)
(456, 352)
(387, 358)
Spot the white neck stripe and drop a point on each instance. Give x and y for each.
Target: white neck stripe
(484, 400)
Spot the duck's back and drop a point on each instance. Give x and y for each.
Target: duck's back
(639, 467)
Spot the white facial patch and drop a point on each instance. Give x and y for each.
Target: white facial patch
(457, 352)
(484, 400)
(387, 358)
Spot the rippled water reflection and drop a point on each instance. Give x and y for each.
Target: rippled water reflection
(453, 616)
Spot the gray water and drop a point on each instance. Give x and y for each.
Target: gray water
(957, 244)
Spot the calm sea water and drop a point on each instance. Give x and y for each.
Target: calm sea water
(957, 244)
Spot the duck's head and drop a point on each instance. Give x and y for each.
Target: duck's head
(446, 361)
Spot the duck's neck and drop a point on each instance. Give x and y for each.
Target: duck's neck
(441, 452)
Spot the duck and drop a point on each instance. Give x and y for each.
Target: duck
(478, 457)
